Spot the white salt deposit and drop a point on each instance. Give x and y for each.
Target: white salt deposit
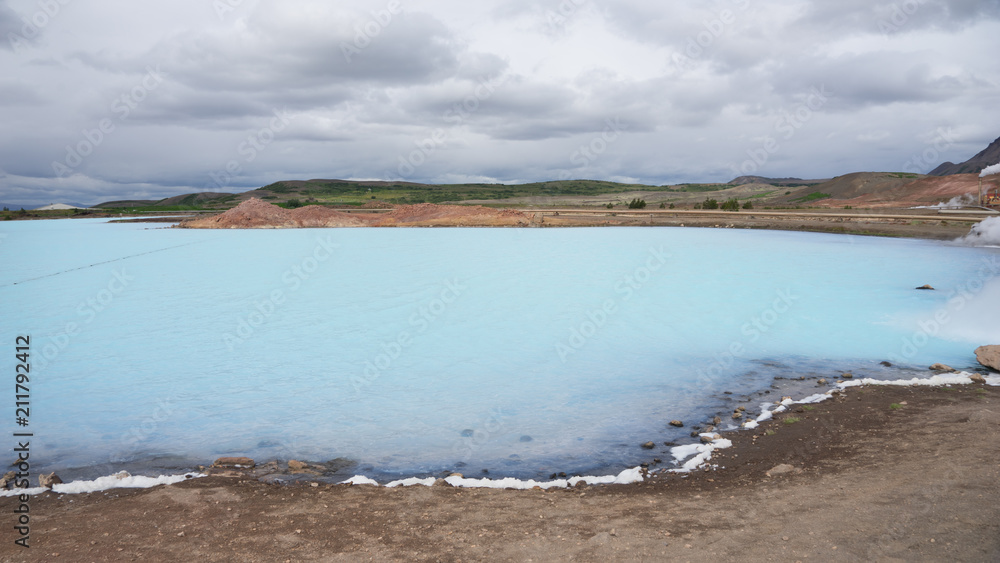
(105, 483)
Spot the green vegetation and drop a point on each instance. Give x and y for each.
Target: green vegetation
(792, 420)
(748, 205)
(812, 197)
(769, 432)
(895, 406)
(905, 175)
(710, 203)
(637, 204)
(731, 204)
(809, 408)
(695, 188)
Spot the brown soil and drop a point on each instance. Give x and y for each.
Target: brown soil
(257, 214)
(867, 482)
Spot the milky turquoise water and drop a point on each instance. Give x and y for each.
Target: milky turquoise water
(409, 351)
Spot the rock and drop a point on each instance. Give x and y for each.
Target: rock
(976, 378)
(441, 483)
(737, 415)
(48, 480)
(781, 469)
(7, 479)
(677, 423)
(741, 409)
(648, 446)
(886, 364)
(717, 421)
(708, 438)
(926, 287)
(821, 382)
(122, 475)
(989, 356)
(943, 368)
(459, 475)
(241, 462)
(848, 376)
(295, 465)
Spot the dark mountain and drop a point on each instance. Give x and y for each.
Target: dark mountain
(988, 157)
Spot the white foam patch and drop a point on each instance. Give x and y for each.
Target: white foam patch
(104, 484)
(961, 378)
(702, 453)
(626, 477)
(360, 480)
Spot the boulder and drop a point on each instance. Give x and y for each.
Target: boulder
(296, 465)
(648, 446)
(989, 356)
(48, 480)
(943, 368)
(241, 462)
(677, 423)
(976, 378)
(926, 287)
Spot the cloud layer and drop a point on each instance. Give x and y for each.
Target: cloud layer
(103, 102)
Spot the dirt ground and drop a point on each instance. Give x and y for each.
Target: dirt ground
(864, 481)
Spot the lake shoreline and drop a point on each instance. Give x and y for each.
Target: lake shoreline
(820, 482)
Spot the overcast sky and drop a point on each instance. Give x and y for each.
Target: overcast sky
(106, 100)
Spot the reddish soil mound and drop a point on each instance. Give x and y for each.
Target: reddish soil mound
(430, 214)
(929, 190)
(256, 214)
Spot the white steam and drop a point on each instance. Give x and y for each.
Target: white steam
(957, 202)
(983, 233)
(990, 170)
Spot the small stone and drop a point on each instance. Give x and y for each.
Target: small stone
(821, 382)
(314, 484)
(441, 483)
(694, 433)
(648, 446)
(781, 469)
(244, 462)
(677, 423)
(886, 364)
(526, 438)
(122, 475)
(47, 481)
(180, 534)
(296, 465)
(717, 421)
(926, 287)
(709, 438)
(737, 415)
(976, 378)
(847, 376)
(741, 409)
(459, 475)
(943, 368)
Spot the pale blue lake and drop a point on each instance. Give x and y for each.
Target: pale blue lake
(414, 351)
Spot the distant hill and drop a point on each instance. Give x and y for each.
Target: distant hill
(743, 180)
(988, 157)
